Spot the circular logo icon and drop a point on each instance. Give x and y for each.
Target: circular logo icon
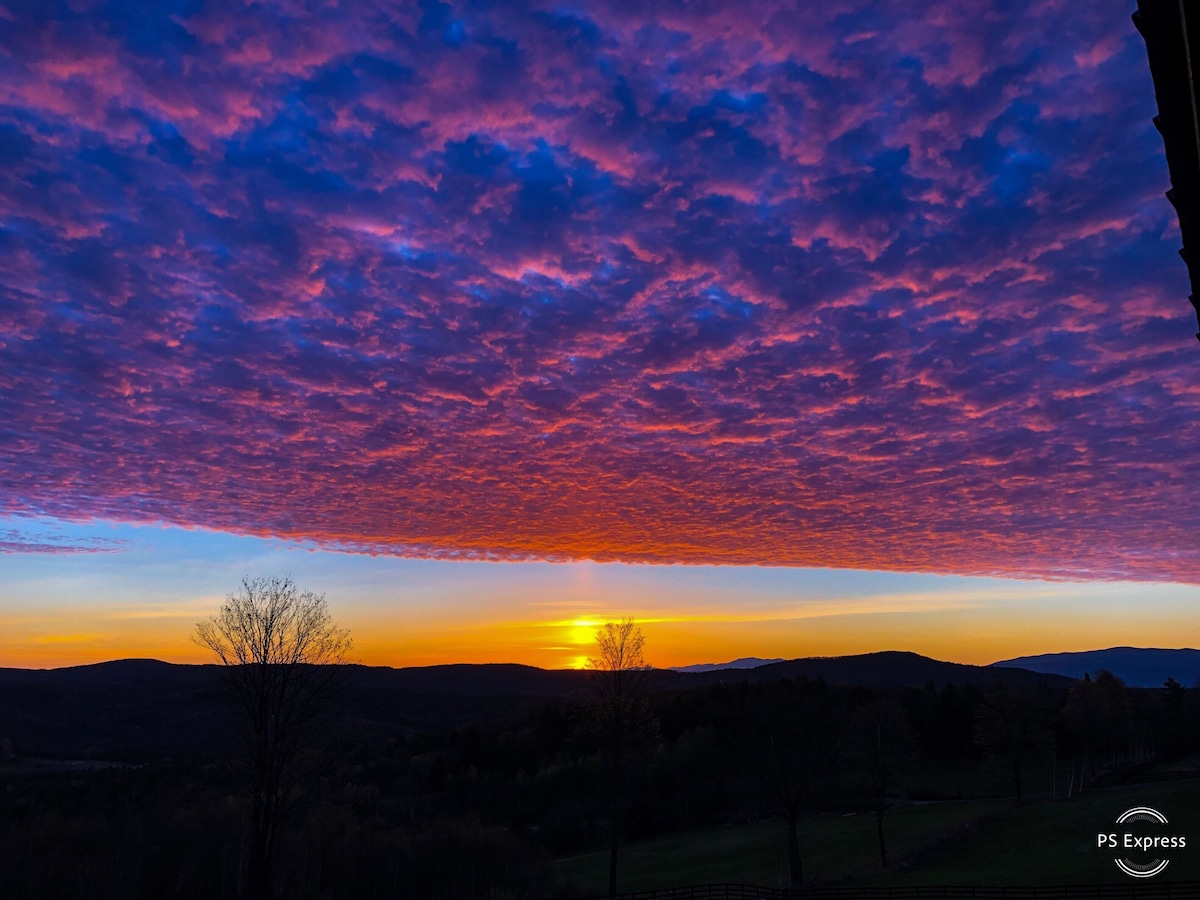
(1143, 838)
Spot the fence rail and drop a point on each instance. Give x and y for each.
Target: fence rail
(1162, 890)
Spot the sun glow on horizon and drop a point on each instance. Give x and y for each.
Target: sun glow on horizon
(144, 598)
(670, 640)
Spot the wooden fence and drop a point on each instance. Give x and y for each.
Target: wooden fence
(1158, 890)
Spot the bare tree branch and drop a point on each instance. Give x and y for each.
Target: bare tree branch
(283, 659)
(621, 717)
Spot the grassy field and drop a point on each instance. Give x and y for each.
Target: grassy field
(832, 848)
(1055, 843)
(981, 842)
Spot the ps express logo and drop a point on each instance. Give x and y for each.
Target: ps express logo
(1143, 841)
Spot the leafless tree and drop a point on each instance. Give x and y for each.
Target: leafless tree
(792, 733)
(620, 717)
(880, 746)
(282, 655)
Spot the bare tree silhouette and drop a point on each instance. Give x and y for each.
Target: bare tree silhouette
(282, 654)
(620, 718)
(794, 733)
(880, 747)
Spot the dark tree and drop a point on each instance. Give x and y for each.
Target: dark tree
(620, 718)
(879, 747)
(282, 655)
(1173, 698)
(794, 740)
(1098, 717)
(1012, 723)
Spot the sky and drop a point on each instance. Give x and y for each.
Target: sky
(792, 329)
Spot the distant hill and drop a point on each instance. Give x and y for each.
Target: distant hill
(127, 709)
(745, 662)
(1137, 667)
(136, 709)
(895, 669)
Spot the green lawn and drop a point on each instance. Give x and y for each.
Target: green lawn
(832, 848)
(1055, 843)
(981, 842)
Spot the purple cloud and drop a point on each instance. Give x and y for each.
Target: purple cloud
(16, 541)
(853, 284)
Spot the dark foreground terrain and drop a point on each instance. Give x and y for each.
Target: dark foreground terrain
(125, 781)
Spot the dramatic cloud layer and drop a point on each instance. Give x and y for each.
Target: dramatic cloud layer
(880, 284)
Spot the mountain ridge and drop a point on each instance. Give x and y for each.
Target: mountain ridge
(742, 662)
(1136, 666)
